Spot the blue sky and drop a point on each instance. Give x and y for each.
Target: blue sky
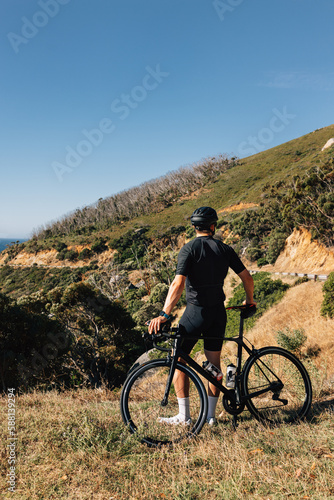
(98, 96)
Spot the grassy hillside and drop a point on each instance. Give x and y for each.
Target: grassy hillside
(87, 270)
(235, 188)
(241, 182)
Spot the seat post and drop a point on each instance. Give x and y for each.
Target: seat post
(241, 333)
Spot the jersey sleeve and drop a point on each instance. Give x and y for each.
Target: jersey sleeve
(184, 261)
(235, 262)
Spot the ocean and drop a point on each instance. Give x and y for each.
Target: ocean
(8, 241)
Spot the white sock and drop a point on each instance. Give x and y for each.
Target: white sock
(212, 407)
(183, 417)
(184, 408)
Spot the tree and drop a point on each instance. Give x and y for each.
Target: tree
(104, 342)
(33, 345)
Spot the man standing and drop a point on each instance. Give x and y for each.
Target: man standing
(202, 266)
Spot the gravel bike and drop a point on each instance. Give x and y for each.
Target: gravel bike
(272, 384)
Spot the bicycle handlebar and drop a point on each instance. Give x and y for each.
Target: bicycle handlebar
(246, 310)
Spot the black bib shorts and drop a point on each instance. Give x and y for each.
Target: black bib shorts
(203, 321)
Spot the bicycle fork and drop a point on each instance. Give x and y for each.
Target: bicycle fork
(164, 401)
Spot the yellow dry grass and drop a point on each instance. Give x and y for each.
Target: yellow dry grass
(73, 445)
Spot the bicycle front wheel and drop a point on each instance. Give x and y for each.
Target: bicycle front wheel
(277, 386)
(142, 409)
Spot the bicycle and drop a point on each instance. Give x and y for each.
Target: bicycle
(272, 384)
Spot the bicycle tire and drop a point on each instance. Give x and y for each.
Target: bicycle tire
(141, 406)
(283, 404)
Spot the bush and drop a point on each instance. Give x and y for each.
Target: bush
(159, 293)
(132, 300)
(292, 340)
(131, 246)
(59, 246)
(262, 262)
(99, 246)
(190, 232)
(266, 293)
(32, 345)
(327, 307)
(254, 253)
(301, 280)
(61, 255)
(86, 253)
(276, 245)
(146, 313)
(71, 255)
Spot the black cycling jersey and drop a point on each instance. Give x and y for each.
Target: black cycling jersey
(205, 262)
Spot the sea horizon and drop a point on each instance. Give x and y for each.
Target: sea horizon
(9, 241)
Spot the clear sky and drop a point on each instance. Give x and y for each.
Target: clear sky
(98, 96)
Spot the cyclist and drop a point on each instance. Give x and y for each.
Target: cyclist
(202, 266)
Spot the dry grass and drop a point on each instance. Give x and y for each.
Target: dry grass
(299, 309)
(74, 446)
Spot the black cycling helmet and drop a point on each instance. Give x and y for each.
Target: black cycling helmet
(204, 217)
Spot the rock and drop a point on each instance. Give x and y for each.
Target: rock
(328, 144)
(301, 254)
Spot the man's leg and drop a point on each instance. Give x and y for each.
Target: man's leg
(214, 358)
(181, 380)
(213, 391)
(181, 385)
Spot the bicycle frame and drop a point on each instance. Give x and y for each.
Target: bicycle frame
(233, 394)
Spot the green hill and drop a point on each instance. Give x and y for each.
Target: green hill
(219, 182)
(95, 277)
(260, 199)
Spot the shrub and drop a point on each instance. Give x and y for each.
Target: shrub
(132, 300)
(292, 340)
(276, 245)
(99, 246)
(71, 255)
(61, 255)
(254, 253)
(301, 280)
(60, 245)
(32, 345)
(262, 262)
(190, 232)
(327, 307)
(146, 313)
(132, 245)
(86, 253)
(267, 292)
(158, 293)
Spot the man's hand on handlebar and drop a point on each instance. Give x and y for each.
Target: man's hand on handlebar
(155, 324)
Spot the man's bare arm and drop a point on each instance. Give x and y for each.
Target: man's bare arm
(173, 296)
(248, 283)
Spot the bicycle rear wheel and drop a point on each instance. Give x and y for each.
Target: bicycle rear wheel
(289, 391)
(141, 407)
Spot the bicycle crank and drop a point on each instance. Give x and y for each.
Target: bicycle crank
(230, 405)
